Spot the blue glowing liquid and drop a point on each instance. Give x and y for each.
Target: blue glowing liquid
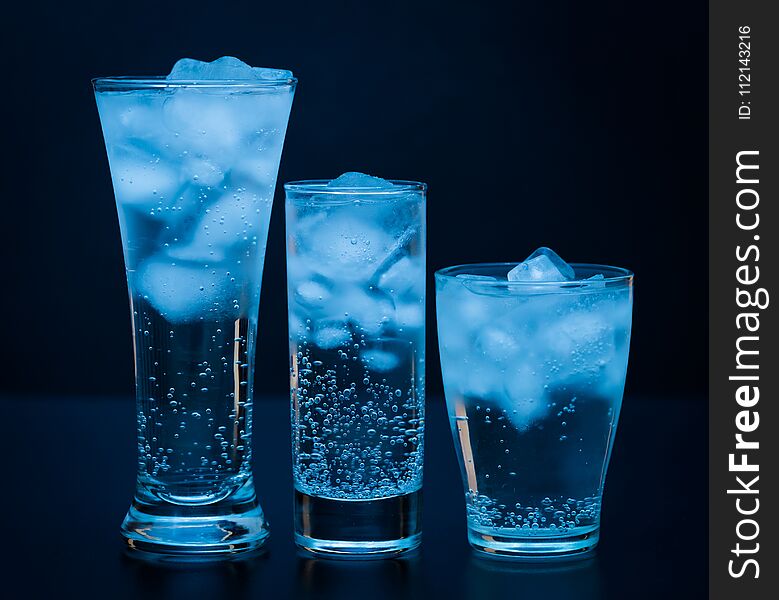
(194, 173)
(546, 479)
(356, 277)
(534, 386)
(358, 432)
(194, 404)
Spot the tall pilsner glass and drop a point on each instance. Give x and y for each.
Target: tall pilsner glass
(194, 168)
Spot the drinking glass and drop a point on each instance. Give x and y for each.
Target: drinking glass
(356, 292)
(533, 374)
(194, 167)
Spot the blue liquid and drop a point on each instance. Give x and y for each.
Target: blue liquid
(356, 313)
(194, 171)
(359, 432)
(546, 480)
(534, 385)
(194, 405)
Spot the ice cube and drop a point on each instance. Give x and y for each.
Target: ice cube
(203, 171)
(465, 311)
(498, 344)
(470, 310)
(312, 293)
(369, 312)
(224, 68)
(409, 315)
(264, 117)
(231, 223)
(235, 217)
(347, 247)
(142, 179)
(206, 124)
(524, 400)
(610, 382)
(355, 180)
(183, 210)
(132, 116)
(213, 122)
(332, 334)
(543, 265)
(404, 235)
(297, 269)
(226, 127)
(184, 291)
(580, 343)
(380, 360)
(481, 379)
(256, 172)
(405, 277)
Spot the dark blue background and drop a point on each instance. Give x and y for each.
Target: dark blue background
(578, 125)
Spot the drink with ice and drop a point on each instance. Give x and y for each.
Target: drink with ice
(534, 358)
(194, 159)
(356, 277)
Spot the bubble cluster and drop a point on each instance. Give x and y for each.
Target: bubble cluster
(194, 404)
(357, 431)
(551, 517)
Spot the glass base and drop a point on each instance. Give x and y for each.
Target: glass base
(357, 550)
(574, 544)
(373, 528)
(231, 525)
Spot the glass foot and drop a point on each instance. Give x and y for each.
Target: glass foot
(233, 524)
(357, 550)
(580, 543)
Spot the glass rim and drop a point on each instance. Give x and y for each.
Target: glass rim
(131, 82)
(610, 274)
(318, 187)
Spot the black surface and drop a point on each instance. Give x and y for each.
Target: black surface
(579, 125)
(69, 476)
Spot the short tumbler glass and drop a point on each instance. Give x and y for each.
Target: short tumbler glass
(356, 279)
(534, 375)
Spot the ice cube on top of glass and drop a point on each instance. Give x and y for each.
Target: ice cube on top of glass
(194, 169)
(353, 180)
(226, 68)
(543, 265)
